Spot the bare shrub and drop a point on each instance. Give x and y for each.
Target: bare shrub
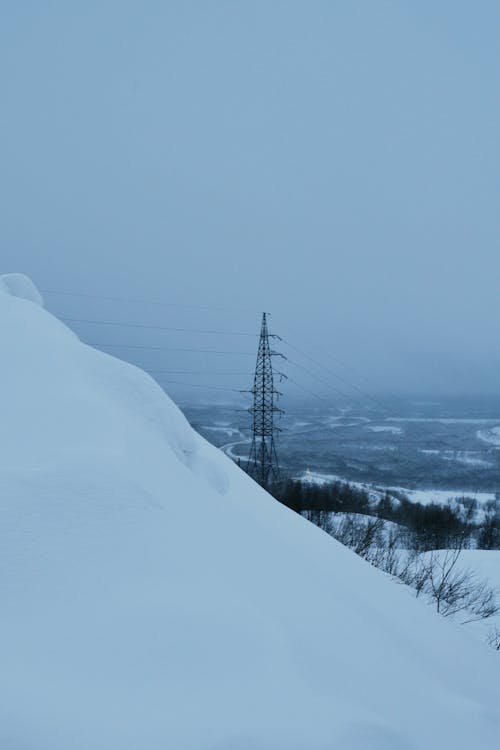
(455, 591)
(493, 638)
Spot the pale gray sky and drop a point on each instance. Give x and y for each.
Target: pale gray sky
(336, 163)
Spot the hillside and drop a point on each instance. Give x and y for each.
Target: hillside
(154, 597)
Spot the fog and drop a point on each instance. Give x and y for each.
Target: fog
(335, 164)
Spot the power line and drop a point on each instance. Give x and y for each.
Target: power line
(156, 327)
(143, 326)
(169, 349)
(306, 390)
(204, 331)
(341, 379)
(324, 382)
(213, 351)
(199, 385)
(138, 300)
(330, 355)
(211, 308)
(233, 353)
(196, 372)
(345, 366)
(229, 373)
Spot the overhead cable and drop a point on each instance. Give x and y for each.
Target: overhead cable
(156, 327)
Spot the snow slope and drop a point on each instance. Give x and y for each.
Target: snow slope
(486, 565)
(154, 597)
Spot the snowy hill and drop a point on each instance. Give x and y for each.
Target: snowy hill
(154, 597)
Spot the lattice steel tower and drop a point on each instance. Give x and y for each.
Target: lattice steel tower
(263, 460)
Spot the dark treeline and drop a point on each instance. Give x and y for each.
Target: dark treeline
(431, 526)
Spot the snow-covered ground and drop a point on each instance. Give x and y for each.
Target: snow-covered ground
(490, 435)
(469, 458)
(375, 492)
(485, 567)
(335, 423)
(229, 431)
(443, 496)
(486, 564)
(154, 597)
(442, 420)
(385, 428)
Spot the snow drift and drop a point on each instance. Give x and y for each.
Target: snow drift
(154, 597)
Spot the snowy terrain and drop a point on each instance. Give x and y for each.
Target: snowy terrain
(154, 597)
(490, 435)
(447, 453)
(376, 492)
(469, 458)
(385, 428)
(485, 564)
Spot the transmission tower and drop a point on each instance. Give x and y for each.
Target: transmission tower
(263, 461)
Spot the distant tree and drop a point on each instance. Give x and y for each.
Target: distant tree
(385, 507)
(489, 529)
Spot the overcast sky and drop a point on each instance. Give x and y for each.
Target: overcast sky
(334, 163)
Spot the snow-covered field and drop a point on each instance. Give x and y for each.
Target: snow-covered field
(154, 597)
(490, 435)
(442, 420)
(229, 431)
(443, 496)
(423, 496)
(385, 428)
(336, 422)
(469, 458)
